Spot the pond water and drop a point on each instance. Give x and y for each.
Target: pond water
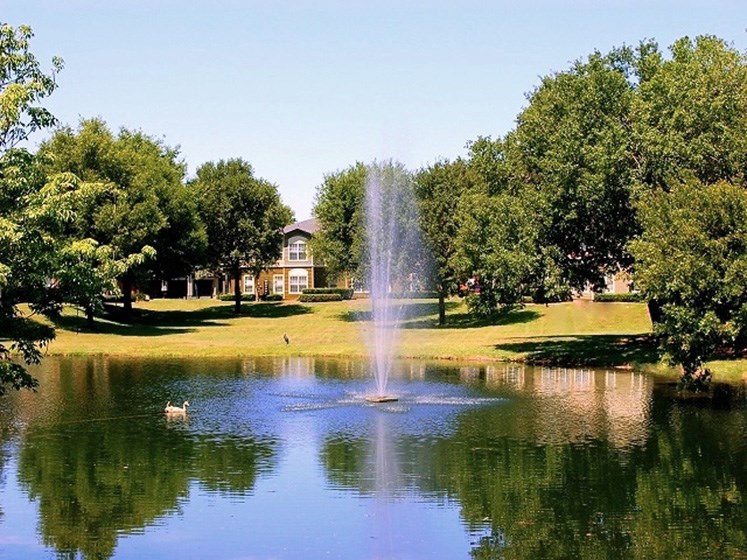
(285, 459)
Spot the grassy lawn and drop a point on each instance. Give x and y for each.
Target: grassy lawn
(573, 333)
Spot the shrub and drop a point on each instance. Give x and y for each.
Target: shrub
(272, 297)
(314, 298)
(230, 297)
(344, 293)
(627, 298)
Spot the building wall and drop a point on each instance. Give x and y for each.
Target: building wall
(294, 259)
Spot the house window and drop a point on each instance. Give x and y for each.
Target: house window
(278, 286)
(299, 280)
(297, 251)
(248, 284)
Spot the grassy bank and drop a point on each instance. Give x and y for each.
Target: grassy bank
(574, 333)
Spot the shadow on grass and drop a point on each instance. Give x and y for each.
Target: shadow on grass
(79, 324)
(467, 321)
(149, 322)
(410, 311)
(587, 350)
(425, 316)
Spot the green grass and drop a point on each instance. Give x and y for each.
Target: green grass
(573, 333)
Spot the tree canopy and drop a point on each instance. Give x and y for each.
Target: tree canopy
(338, 207)
(439, 189)
(27, 248)
(244, 218)
(148, 205)
(692, 258)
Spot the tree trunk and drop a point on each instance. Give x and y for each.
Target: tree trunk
(89, 317)
(127, 295)
(654, 311)
(441, 306)
(237, 288)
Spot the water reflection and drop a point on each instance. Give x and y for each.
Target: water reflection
(101, 463)
(574, 405)
(497, 461)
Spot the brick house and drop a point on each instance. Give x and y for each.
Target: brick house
(292, 273)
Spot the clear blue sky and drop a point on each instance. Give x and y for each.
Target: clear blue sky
(301, 89)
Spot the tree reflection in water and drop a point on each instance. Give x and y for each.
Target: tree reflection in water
(567, 464)
(97, 478)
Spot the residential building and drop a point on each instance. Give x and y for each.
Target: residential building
(292, 273)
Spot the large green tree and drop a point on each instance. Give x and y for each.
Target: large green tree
(149, 204)
(439, 189)
(244, 218)
(690, 114)
(692, 258)
(27, 254)
(82, 269)
(338, 207)
(572, 146)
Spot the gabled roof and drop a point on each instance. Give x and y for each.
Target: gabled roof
(308, 226)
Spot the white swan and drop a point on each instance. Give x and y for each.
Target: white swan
(170, 409)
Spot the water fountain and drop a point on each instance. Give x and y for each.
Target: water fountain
(391, 228)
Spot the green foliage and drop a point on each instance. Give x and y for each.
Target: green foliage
(496, 243)
(139, 199)
(692, 259)
(690, 114)
(339, 209)
(272, 297)
(438, 189)
(415, 295)
(344, 293)
(28, 248)
(571, 147)
(243, 216)
(631, 297)
(22, 85)
(313, 298)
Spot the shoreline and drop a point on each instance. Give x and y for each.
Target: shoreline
(578, 334)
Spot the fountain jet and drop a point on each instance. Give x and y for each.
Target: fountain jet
(391, 228)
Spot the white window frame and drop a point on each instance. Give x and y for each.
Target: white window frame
(278, 280)
(248, 281)
(298, 280)
(298, 250)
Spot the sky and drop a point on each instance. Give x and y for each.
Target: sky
(302, 89)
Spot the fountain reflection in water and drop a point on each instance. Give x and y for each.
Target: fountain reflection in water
(392, 261)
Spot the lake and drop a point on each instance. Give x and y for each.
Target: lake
(285, 459)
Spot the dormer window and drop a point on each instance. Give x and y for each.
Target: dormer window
(297, 251)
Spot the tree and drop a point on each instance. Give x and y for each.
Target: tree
(572, 147)
(690, 114)
(496, 241)
(150, 205)
(338, 207)
(244, 218)
(26, 254)
(691, 257)
(82, 269)
(439, 188)
(22, 85)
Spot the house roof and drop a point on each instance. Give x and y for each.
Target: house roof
(309, 226)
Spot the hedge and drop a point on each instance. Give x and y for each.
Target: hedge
(344, 293)
(609, 298)
(313, 298)
(231, 297)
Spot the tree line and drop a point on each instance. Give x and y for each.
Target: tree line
(633, 160)
(627, 161)
(94, 211)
